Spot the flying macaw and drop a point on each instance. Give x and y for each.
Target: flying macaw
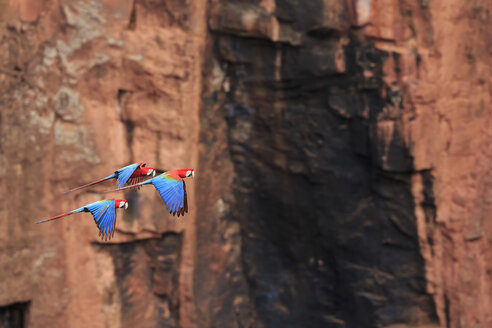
(132, 173)
(172, 189)
(104, 213)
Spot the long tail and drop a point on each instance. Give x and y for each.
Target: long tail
(132, 186)
(112, 176)
(60, 216)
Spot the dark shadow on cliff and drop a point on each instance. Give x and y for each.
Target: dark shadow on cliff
(324, 202)
(146, 274)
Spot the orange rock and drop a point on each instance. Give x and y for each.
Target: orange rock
(342, 151)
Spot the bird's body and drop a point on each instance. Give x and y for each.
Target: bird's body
(171, 188)
(139, 174)
(104, 213)
(132, 174)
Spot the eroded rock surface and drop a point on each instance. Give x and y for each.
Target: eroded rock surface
(342, 151)
(87, 87)
(338, 150)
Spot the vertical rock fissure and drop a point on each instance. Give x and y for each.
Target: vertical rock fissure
(128, 123)
(447, 311)
(132, 22)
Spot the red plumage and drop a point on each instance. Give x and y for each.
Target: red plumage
(180, 174)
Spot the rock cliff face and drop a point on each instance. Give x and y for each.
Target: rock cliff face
(343, 154)
(89, 86)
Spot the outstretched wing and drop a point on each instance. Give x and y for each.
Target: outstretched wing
(135, 180)
(173, 193)
(125, 173)
(104, 214)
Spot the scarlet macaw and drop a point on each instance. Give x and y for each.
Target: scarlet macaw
(172, 189)
(104, 213)
(133, 173)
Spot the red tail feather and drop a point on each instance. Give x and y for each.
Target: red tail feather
(89, 184)
(55, 217)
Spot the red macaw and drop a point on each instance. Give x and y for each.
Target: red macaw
(171, 188)
(104, 213)
(132, 173)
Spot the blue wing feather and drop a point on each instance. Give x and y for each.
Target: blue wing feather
(125, 173)
(171, 192)
(181, 196)
(104, 214)
(175, 199)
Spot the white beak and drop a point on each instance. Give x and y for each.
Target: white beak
(126, 205)
(153, 173)
(192, 174)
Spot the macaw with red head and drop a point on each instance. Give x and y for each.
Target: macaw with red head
(171, 188)
(104, 213)
(132, 174)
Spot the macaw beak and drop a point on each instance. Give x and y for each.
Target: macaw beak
(153, 173)
(126, 205)
(192, 174)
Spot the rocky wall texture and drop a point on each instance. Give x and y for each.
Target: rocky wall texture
(88, 87)
(355, 138)
(342, 149)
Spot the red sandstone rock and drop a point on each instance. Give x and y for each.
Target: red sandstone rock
(344, 175)
(84, 93)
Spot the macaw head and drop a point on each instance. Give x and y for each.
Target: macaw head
(184, 173)
(148, 171)
(121, 203)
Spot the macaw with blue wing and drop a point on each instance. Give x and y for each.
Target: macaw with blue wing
(171, 188)
(132, 174)
(104, 213)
